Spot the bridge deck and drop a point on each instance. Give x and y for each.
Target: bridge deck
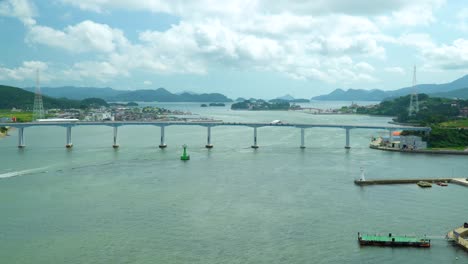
(211, 124)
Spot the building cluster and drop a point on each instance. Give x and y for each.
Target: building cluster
(112, 113)
(397, 141)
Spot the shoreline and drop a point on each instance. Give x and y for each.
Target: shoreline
(422, 151)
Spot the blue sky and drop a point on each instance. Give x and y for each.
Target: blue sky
(254, 48)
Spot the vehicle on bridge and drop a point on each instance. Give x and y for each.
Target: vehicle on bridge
(58, 120)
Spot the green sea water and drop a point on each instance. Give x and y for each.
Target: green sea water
(230, 204)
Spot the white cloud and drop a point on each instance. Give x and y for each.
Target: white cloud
(397, 70)
(27, 71)
(24, 10)
(328, 40)
(83, 37)
(147, 83)
(448, 57)
(98, 70)
(364, 66)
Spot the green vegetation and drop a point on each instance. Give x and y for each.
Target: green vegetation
(93, 103)
(443, 137)
(260, 105)
(460, 123)
(13, 97)
(441, 114)
(20, 116)
(432, 110)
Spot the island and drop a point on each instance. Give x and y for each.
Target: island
(262, 105)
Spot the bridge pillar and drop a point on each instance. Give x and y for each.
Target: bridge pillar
(162, 144)
(115, 145)
(21, 143)
(347, 138)
(255, 146)
(208, 139)
(302, 138)
(69, 138)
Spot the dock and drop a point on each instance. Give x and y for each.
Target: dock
(460, 236)
(459, 181)
(393, 241)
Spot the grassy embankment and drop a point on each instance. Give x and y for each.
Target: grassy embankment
(20, 116)
(461, 123)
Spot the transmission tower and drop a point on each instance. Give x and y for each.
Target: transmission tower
(414, 102)
(38, 110)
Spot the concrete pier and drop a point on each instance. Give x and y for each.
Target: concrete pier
(459, 181)
(208, 139)
(459, 236)
(255, 146)
(69, 138)
(162, 144)
(302, 138)
(21, 143)
(115, 145)
(347, 146)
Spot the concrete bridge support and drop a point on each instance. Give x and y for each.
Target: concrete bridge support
(115, 145)
(347, 146)
(255, 146)
(21, 143)
(302, 138)
(208, 139)
(69, 138)
(162, 144)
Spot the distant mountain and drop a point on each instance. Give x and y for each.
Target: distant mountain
(78, 93)
(285, 98)
(112, 95)
(459, 93)
(378, 95)
(353, 95)
(288, 98)
(163, 95)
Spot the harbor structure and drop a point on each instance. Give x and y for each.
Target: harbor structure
(460, 236)
(393, 241)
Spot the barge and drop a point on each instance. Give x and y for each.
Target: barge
(393, 241)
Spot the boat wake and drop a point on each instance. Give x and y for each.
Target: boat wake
(20, 173)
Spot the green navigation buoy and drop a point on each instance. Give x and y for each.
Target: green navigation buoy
(184, 155)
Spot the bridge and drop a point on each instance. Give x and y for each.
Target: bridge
(208, 124)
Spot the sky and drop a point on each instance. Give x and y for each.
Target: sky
(255, 48)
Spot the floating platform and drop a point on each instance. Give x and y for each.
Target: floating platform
(459, 181)
(393, 241)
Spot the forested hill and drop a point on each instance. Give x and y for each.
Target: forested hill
(433, 110)
(18, 98)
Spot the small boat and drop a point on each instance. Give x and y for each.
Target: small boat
(442, 184)
(424, 184)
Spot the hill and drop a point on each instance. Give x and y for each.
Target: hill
(378, 95)
(353, 95)
(459, 93)
(18, 98)
(163, 95)
(112, 95)
(78, 93)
